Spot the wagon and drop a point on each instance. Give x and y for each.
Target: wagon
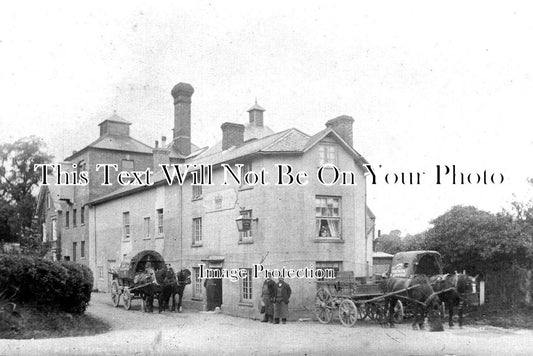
(351, 298)
(123, 284)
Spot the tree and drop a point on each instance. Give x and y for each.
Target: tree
(476, 240)
(18, 180)
(389, 243)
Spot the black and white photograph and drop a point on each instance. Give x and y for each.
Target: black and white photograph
(266, 178)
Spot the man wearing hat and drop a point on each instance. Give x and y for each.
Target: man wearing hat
(281, 308)
(267, 294)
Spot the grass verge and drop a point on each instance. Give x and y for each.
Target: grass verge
(502, 316)
(31, 323)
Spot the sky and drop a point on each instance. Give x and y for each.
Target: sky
(426, 84)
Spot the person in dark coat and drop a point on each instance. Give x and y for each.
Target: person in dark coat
(267, 294)
(281, 308)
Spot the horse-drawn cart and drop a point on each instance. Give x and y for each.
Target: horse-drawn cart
(126, 285)
(351, 299)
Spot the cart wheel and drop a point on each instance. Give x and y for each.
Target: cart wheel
(115, 293)
(323, 306)
(126, 297)
(348, 312)
(398, 312)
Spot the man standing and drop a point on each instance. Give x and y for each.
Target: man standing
(268, 293)
(281, 308)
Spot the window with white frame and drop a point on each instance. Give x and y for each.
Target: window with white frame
(197, 284)
(45, 237)
(246, 286)
(327, 154)
(336, 266)
(246, 236)
(160, 230)
(197, 231)
(146, 227)
(126, 225)
(54, 229)
(82, 215)
(196, 192)
(328, 217)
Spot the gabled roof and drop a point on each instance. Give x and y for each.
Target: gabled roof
(53, 189)
(330, 132)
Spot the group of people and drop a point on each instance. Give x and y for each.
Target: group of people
(275, 300)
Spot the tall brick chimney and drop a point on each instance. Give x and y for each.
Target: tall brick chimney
(232, 135)
(182, 93)
(343, 125)
(256, 115)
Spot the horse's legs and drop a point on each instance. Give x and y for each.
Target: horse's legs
(173, 296)
(180, 296)
(418, 320)
(461, 305)
(449, 305)
(391, 303)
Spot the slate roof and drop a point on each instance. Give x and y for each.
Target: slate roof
(115, 118)
(287, 141)
(120, 143)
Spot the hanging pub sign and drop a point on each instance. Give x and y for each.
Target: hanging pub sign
(244, 223)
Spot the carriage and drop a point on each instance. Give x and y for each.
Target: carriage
(351, 298)
(124, 282)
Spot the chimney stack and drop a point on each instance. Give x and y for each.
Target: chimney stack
(182, 93)
(232, 135)
(343, 125)
(256, 115)
(161, 154)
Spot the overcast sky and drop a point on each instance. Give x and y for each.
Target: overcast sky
(426, 83)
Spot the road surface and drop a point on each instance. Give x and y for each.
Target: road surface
(195, 333)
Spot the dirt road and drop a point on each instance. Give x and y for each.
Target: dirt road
(193, 333)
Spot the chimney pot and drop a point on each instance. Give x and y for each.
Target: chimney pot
(156, 144)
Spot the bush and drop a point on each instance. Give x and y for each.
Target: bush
(50, 285)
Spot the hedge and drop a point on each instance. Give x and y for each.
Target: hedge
(49, 285)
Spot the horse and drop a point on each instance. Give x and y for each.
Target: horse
(453, 290)
(420, 293)
(176, 284)
(147, 288)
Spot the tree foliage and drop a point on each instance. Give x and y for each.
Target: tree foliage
(18, 180)
(389, 243)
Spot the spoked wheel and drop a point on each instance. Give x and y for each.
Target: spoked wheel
(126, 297)
(324, 306)
(397, 317)
(115, 293)
(348, 313)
